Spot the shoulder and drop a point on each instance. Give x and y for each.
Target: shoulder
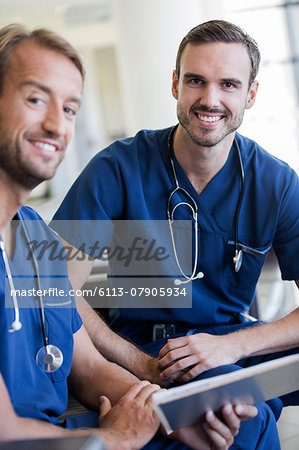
(261, 163)
(35, 226)
(145, 137)
(144, 142)
(28, 213)
(124, 157)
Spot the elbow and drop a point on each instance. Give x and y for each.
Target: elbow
(9, 428)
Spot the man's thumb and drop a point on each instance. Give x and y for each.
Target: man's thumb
(105, 405)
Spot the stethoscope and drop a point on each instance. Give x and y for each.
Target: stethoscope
(49, 357)
(239, 248)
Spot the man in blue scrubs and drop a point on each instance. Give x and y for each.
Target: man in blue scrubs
(245, 200)
(44, 347)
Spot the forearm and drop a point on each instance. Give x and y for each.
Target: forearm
(117, 427)
(280, 335)
(13, 427)
(117, 349)
(26, 428)
(106, 379)
(93, 376)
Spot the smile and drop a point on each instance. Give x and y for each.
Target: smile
(45, 146)
(209, 118)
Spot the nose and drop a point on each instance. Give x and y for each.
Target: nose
(54, 120)
(210, 97)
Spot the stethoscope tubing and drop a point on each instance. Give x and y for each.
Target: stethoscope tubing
(239, 248)
(38, 284)
(49, 357)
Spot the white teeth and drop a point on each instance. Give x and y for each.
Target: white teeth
(209, 118)
(45, 146)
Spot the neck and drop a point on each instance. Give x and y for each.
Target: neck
(12, 198)
(199, 163)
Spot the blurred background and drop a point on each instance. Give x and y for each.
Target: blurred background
(129, 49)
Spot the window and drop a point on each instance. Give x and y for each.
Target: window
(273, 122)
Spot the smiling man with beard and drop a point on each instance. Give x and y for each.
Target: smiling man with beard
(241, 200)
(45, 350)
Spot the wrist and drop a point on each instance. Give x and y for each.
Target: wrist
(113, 440)
(244, 343)
(237, 345)
(149, 369)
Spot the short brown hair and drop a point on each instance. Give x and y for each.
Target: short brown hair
(13, 34)
(221, 31)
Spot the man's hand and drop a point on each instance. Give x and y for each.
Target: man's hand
(131, 422)
(216, 433)
(184, 358)
(152, 372)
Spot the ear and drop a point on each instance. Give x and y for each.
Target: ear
(251, 96)
(175, 83)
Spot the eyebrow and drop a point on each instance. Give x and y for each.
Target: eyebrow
(233, 81)
(47, 90)
(190, 75)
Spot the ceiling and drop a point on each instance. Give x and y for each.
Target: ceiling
(27, 9)
(82, 22)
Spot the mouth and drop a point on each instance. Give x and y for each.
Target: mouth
(45, 146)
(208, 120)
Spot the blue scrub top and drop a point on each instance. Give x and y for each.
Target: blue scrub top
(34, 393)
(132, 179)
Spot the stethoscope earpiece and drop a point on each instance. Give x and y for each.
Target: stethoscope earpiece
(200, 275)
(15, 326)
(178, 282)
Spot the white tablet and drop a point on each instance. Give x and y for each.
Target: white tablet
(185, 405)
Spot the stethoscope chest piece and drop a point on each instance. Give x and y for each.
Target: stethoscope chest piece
(49, 358)
(238, 258)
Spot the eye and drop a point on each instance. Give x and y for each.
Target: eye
(228, 85)
(70, 111)
(36, 100)
(195, 81)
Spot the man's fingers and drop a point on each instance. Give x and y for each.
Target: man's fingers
(172, 344)
(181, 365)
(192, 373)
(222, 432)
(171, 378)
(142, 391)
(245, 412)
(179, 371)
(231, 419)
(217, 431)
(172, 356)
(135, 389)
(145, 394)
(218, 441)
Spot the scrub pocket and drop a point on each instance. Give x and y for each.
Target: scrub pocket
(59, 325)
(250, 270)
